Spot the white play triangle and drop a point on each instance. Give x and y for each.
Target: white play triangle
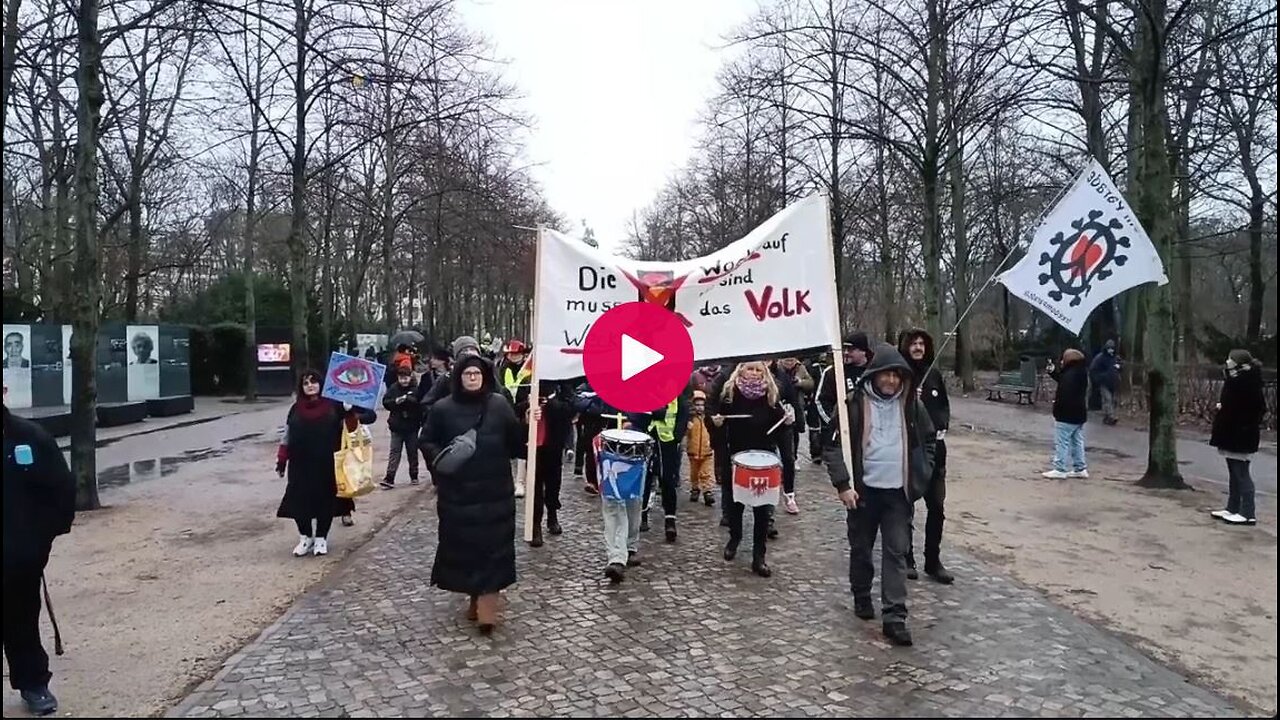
(637, 357)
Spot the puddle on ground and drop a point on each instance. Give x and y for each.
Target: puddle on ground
(156, 468)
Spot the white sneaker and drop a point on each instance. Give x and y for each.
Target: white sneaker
(1079, 474)
(1238, 519)
(1054, 475)
(305, 543)
(322, 547)
(1221, 514)
(790, 501)
(519, 488)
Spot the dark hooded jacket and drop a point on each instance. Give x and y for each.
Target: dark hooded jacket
(921, 438)
(1070, 404)
(1237, 427)
(403, 416)
(443, 386)
(933, 389)
(39, 496)
(476, 505)
(556, 399)
(1104, 371)
(826, 391)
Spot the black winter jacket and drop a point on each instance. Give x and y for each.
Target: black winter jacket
(404, 416)
(1237, 427)
(1070, 405)
(39, 495)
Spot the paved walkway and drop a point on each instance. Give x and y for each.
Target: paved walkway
(687, 634)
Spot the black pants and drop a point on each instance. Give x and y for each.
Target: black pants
(28, 662)
(724, 478)
(321, 530)
(889, 513)
(1240, 489)
(935, 499)
(759, 527)
(787, 454)
(815, 443)
(591, 427)
(582, 446)
(664, 471)
(546, 483)
(402, 442)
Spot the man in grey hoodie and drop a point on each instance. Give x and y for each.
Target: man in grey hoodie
(892, 441)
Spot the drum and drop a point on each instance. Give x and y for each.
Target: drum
(622, 458)
(757, 478)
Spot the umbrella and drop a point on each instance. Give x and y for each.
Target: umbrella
(412, 338)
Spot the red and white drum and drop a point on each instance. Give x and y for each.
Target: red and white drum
(757, 478)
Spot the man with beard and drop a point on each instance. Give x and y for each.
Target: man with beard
(917, 346)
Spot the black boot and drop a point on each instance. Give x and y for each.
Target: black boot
(863, 608)
(616, 572)
(669, 528)
(708, 499)
(731, 549)
(773, 529)
(632, 560)
(693, 495)
(553, 524)
(939, 573)
(897, 633)
(759, 566)
(40, 701)
(911, 567)
(537, 536)
(644, 521)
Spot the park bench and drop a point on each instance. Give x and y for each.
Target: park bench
(1022, 382)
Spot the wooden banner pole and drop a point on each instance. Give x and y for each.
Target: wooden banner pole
(837, 348)
(531, 443)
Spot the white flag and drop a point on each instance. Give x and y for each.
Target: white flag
(1088, 249)
(770, 292)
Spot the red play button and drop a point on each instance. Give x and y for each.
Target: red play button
(638, 357)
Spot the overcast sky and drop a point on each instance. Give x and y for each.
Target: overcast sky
(615, 88)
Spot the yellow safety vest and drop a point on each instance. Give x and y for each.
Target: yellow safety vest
(666, 427)
(512, 380)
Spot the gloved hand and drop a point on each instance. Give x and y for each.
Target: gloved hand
(280, 467)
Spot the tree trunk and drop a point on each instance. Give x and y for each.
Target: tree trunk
(1155, 187)
(250, 275)
(298, 217)
(84, 319)
(1257, 286)
(931, 249)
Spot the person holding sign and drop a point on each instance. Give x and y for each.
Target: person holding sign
(312, 434)
(892, 453)
(754, 419)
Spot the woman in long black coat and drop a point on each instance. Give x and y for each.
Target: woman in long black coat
(313, 433)
(476, 552)
(1237, 429)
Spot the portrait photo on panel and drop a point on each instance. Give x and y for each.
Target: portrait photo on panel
(17, 343)
(143, 343)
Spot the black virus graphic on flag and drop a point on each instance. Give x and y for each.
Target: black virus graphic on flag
(1082, 256)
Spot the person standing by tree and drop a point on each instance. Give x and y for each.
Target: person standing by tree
(39, 505)
(312, 434)
(892, 451)
(1237, 431)
(404, 421)
(1070, 413)
(1104, 373)
(917, 345)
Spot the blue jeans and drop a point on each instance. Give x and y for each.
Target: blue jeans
(1068, 447)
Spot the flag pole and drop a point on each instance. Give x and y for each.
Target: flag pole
(946, 339)
(531, 442)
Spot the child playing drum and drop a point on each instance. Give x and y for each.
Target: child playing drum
(754, 420)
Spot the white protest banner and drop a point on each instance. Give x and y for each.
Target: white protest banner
(1089, 248)
(769, 292)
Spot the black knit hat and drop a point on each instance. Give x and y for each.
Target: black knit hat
(857, 341)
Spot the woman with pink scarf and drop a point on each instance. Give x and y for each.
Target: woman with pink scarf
(751, 393)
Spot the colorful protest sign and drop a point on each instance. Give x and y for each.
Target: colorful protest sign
(1089, 248)
(770, 292)
(353, 380)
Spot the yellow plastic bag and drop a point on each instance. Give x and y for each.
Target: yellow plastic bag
(353, 463)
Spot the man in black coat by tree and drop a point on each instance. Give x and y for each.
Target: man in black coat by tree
(39, 505)
(916, 345)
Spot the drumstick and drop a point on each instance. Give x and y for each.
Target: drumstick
(775, 425)
(735, 417)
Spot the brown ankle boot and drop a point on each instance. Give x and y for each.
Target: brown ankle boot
(487, 612)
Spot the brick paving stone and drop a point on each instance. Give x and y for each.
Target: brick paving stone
(686, 635)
